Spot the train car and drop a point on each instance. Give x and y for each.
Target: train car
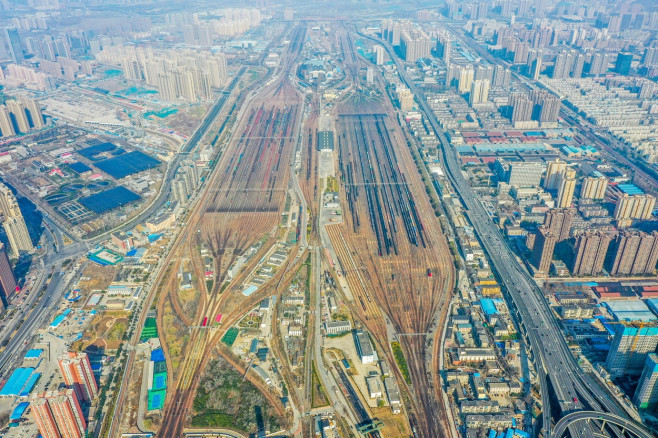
(429, 272)
(205, 322)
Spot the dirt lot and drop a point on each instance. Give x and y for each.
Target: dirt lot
(105, 331)
(186, 120)
(97, 277)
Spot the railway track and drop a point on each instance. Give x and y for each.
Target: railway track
(242, 203)
(388, 245)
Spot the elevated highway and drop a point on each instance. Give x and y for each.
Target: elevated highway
(598, 421)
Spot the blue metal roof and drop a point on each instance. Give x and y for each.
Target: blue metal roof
(30, 385)
(488, 306)
(630, 189)
(35, 353)
(18, 411)
(16, 382)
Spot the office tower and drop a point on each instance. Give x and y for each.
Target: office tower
(521, 108)
(370, 75)
(288, 14)
(590, 251)
(479, 92)
(14, 44)
(646, 394)
(634, 207)
(635, 253)
(58, 414)
(8, 283)
(630, 346)
(14, 224)
(6, 125)
(77, 373)
(443, 48)
(378, 55)
(17, 109)
(542, 251)
(559, 221)
(466, 75)
(593, 187)
(623, 63)
(553, 172)
(34, 114)
(566, 189)
(415, 44)
(525, 174)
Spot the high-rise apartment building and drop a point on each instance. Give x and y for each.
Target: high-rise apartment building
(566, 188)
(17, 108)
(466, 74)
(392, 30)
(553, 171)
(415, 44)
(546, 106)
(13, 223)
(8, 282)
(479, 92)
(20, 116)
(34, 114)
(443, 48)
(521, 108)
(630, 346)
(58, 414)
(634, 207)
(563, 64)
(635, 253)
(44, 418)
(590, 251)
(646, 394)
(185, 74)
(599, 64)
(559, 221)
(378, 52)
(543, 249)
(77, 373)
(593, 187)
(6, 125)
(502, 77)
